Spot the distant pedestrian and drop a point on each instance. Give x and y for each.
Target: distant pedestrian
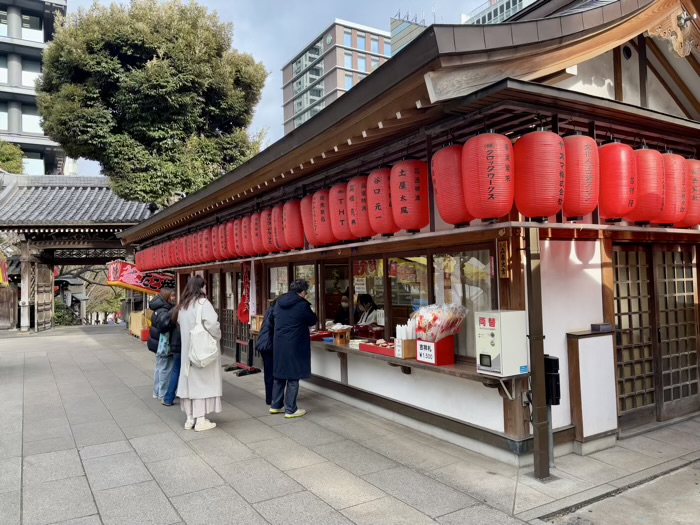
(160, 306)
(264, 346)
(199, 389)
(291, 348)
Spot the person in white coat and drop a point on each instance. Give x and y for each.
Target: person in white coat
(199, 389)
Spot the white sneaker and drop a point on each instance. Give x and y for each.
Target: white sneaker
(201, 426)
(300, 412)
(189, 424)
(277, 411)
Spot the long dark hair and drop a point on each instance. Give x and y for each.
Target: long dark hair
(193, 292)
(366, 299)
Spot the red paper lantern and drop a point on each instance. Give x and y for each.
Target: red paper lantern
(340, 217)
(358, 208)
(198, 248)
(540, 163)
(322, 220)
(381, 217)
(650, 186)
(292, 225)
(307, 220)
(188, 249)
(208, 250)
(618, 181)
(582, 183)
(229, 240)
(692, 218)
(675, 190)
(248, 249)
(238, 238)
(281, 244)
(488, 175)
(446, 170)
(223, 241)
(409, 195)
(181, 251)
(268, 236)
(257, 232)
(215, 247)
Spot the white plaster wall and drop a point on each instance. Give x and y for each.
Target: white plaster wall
(598, 396)
(594, 77)
(325, 364)
(571, 301)
(630, 78)
(459, 399)
(659, 99)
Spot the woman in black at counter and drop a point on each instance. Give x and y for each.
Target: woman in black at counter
(342, 315)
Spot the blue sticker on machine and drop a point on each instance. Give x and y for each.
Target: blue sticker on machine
(523, 369)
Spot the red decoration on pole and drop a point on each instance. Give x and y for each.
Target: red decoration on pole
(488, 176)
(446, 170)
(307, 220)
(381, 217)
(675, 190)
(340, 217)
(322, 220)
(358, 208)
(248, 249)
(618, 181)
(540, 161)
(292, 225)
(650, 186)
(409, 195)
(281, 244)
(238, 238)
(582, 184)
(257, 233)
(692, 218)
(268, 236)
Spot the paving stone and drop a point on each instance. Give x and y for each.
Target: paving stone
(479, 515)
(687, 441)
(141, 504)
(258, 480)
(588, 468)
(419, 491)
(309, 434)
(219, 505)
(353, 427)
(184, 475)
(10, 444)
(626, 459)
(221, 449)
(56, 501)
(301, 508)
(410, 453)
(560, 485)
(651, 447)
(286, 454)
(160, 446)
(108, 472)
(10, 474)
(88, 520)
(96, 433)
(149, 429)
(386, 511)
(51, 466)
(250, 430)
(10, 508)
(105, 449)
(48, 445)
(46, 429)
(45, 410)
(354, 457)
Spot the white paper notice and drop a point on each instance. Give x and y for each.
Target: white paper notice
(360, 285)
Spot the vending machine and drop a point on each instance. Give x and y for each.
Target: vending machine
(501, 343)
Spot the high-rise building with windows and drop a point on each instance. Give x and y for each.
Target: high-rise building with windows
(334, 62)
(404, 30)
(25, 28)
(495, 11)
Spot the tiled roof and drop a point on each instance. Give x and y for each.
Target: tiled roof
(64, 201)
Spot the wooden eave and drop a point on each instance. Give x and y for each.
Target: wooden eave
(410, 92)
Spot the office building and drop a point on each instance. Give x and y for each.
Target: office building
(495, 11)
(404, 30)
(334, 62)
(25, 28)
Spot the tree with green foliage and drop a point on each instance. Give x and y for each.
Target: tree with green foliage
(11, 157)
(154, 92)
(62, 315)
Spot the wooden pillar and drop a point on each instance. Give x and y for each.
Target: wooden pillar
(26, 269)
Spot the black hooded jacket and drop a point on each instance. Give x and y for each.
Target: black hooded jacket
(162, 323)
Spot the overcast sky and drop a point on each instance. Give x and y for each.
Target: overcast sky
(274, 31)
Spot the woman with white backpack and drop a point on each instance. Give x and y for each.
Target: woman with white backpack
(199, 388)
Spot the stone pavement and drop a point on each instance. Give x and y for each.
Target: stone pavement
(84, 443)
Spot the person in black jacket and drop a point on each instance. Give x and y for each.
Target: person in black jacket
(264, 346)
(161, 307)
(291, 348)
(168, 324)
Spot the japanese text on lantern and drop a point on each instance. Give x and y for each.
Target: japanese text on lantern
(341, 207)
(588, 166)
(377, 181)
(562, 172)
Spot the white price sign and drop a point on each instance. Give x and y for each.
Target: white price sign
(426, 352)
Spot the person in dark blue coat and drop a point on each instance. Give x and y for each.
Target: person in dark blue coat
(291, 348)
(264, 346)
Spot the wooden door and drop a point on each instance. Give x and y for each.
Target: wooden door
(677, 361)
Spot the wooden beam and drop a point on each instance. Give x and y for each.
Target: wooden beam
(673, 75)
(643, 62)
(617, 73)
(694, 63)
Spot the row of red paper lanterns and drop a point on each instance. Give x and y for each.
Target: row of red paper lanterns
(476, 181)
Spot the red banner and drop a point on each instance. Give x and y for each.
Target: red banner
(125, 275)
(4, 274)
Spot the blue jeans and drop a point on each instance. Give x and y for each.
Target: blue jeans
(174, 378)
(161, 376)
(279, 397)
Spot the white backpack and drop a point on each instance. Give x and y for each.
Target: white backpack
(204, 349)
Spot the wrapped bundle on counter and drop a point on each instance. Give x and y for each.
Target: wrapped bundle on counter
(435, 322)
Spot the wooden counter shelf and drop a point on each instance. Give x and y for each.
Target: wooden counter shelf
(461, 370)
